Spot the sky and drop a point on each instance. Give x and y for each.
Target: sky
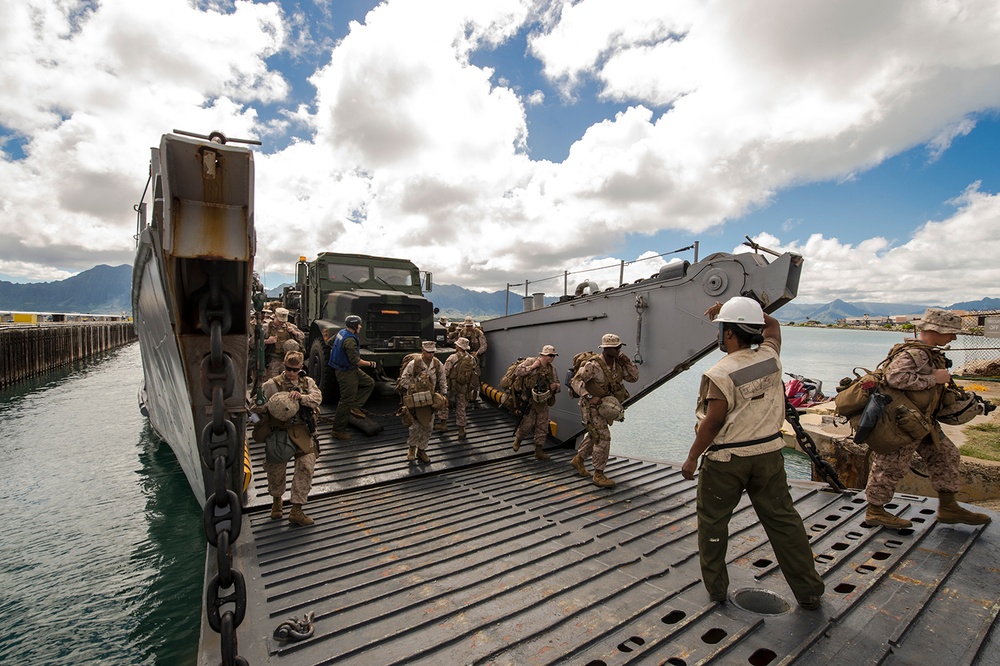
(498, 141)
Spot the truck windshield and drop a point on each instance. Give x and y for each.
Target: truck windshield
(399, 277)
(347, 273)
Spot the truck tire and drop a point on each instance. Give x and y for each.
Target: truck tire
(321, 373)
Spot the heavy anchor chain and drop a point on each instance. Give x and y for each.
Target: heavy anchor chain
(640, 307)
(223, 513)
(805, 440)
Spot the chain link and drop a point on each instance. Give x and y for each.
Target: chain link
(223, 513)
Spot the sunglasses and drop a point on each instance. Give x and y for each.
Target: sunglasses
(290, 368)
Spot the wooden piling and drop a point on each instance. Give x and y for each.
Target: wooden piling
(30, 350)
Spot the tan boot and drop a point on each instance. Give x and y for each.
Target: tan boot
(357, 413)
(461, 432)
(876, 515)
(442, 426)
(422, 455)
(277, 510)
(950, 512)
(337, 434)
(602, 481)
(517, 442)
(298, 517)
(539, 454)
(577, 463)
(411, 454)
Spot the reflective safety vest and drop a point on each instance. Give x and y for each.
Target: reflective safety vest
(338, 355)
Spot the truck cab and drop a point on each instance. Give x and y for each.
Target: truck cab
(388, 295)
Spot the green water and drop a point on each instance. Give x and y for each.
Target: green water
(101, 548)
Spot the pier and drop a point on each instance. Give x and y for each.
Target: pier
(30, 350)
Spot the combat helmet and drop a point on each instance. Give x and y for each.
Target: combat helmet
(281, 406)
(610, 408)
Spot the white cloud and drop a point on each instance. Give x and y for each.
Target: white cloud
(946, 261)
(409, 149)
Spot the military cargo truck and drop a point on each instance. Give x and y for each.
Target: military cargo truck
(386, 293)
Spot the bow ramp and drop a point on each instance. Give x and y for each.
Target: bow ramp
(487, 556)
(660, 319)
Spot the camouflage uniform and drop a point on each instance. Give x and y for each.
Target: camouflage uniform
(459, 391)
(282, 331)
(305, 462)
(912, 371)
(535, 419)
(597, 441)
(420, 430)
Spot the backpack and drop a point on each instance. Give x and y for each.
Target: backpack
(464, 370)
(578, 362)
(509, 382)
(402, 366)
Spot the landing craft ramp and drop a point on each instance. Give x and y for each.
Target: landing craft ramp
(487, 556)
(660, 319)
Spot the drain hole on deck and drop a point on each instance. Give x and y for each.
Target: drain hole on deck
(892, 543)
(818, 527)
(832, 518)
(858, 500)
(880, 555)
(865, 569)
(891, 505)
(906, 531)
(761, 657)
(844, 588)
(676, 661)
(927, 512)
(625, 647)
(713, 636)
(673, 617)
(854, 535)
(762, 602)
(597, 662)
(824, 558)
(917, 520)
(839, 546)
(761, 563)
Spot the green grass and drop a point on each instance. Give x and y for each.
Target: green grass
(982, 441)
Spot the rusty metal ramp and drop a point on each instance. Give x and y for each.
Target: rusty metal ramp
(509, 560)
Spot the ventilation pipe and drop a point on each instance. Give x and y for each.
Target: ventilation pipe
(539, 298)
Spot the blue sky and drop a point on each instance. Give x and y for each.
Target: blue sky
(504, 140)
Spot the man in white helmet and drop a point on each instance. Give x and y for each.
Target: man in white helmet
(740, 412)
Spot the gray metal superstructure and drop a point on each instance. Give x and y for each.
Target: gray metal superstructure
(660, 319)
(194, 259)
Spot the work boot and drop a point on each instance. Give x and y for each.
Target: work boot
(517, 442)
(577, 463)
(422, 455)
(298, 517)
(602, 481)
(539, 454)
(442, 426)
(461, 432)
(337, 434)
(950, 512)
(579, 466)
(411, 454)
(276, 509)
(876, 515)
(357, 413)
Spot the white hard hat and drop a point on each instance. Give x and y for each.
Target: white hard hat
(741, 310)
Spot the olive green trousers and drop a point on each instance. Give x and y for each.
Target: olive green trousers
(720, 487)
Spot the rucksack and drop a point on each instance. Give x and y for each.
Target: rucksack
(464, 370)
(509, 382)
(578, 362)
(402, 366)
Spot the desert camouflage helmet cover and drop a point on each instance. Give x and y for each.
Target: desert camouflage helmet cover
(611, 340)
(462, 343)
(610, 408)
(281, 406)
(942, 321)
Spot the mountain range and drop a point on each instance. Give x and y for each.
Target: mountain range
(107, 290)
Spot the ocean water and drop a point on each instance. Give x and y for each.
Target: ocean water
(101, 546)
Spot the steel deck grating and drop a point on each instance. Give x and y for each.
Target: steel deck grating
(486, 556)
